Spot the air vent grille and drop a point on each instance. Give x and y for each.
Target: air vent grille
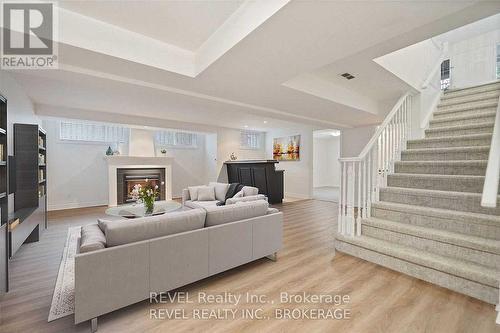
(347, 76)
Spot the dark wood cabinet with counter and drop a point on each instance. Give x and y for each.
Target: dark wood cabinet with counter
(258, 173)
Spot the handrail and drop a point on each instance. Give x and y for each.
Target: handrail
(492, 177)
(363, 175)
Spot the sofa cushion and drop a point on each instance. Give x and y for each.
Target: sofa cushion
(241, 211)
(240, 194)
(92, 238)
(193, 192)
(249, 191)
(232, 201)
(220, 190)
(200, 204)
(134, 230)
(272, 211)
(206, 193)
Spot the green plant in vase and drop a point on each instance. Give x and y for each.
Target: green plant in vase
(147, 195)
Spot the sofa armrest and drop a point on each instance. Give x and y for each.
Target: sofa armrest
(185, 196)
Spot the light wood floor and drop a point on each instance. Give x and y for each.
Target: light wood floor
(381, 300)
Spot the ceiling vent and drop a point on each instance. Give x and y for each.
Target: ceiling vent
(347, 76)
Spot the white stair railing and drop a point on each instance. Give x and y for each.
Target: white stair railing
(362, 176)
(491, 180)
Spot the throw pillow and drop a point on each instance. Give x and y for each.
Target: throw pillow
(193, 192)
(249, 191)
(220, 190)
(239, 194)
(206, 193)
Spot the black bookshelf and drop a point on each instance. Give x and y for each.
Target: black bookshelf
(30, 205)
(4, 199)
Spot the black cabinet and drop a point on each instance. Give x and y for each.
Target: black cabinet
(258, 173)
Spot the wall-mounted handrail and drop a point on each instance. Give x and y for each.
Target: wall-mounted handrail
(363, 175)
(492, 177)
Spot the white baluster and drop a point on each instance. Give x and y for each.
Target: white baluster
(360, 205)
(344, 195)
(364, 188)
(339, 219)
(350, 199)
(369, 186)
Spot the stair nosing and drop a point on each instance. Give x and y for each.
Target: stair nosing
(447, 138)
(443, 162)
(427, 175)
(447, 149)
(469, 108)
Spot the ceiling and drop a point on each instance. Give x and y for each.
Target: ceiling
(167, 21)
(276, 62)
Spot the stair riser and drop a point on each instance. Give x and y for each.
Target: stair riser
(457, 132)
(460, 113)
(473, 170)
(477, 120)
(470, 98)
(471, 105)
(457, 185)
(448, 156)
(432, 246)
(464, 204)
(471, 91)
(471, 228)
(477, 290)
(458, 142)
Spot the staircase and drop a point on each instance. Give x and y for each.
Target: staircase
(428, 221)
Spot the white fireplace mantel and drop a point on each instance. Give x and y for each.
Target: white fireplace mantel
(116, 162)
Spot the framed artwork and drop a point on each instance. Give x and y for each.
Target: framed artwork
(287, 148)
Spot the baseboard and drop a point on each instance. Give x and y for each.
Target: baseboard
(297, 195)
(73, 205)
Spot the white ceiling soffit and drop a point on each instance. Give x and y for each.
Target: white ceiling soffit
(106, 38)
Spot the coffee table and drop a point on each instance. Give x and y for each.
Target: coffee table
(137, 210)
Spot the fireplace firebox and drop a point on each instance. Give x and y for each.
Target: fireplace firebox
(128, 178)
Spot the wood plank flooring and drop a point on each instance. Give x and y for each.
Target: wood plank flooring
(381, 300)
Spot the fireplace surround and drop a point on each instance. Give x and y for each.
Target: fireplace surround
(116, 162)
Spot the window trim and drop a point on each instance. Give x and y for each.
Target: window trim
(175, 145)
(116, 140)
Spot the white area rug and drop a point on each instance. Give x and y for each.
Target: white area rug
(63, 300)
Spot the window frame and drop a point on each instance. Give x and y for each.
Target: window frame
(175, 137)
(119, 138)
(258, 140)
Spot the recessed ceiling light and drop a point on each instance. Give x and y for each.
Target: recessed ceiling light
(265, 121)
(246, 126)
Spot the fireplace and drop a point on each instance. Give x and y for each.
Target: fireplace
(128, 178)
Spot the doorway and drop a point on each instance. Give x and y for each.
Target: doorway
(326, 165)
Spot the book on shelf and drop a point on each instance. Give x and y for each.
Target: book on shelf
(41, 159)
(40, 142)
(41, 191)
(1, 153)
(41, 175)
(13, 224)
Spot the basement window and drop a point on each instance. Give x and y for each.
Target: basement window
(250, 140)
(445, 74)
(176, 139)
(93, 132)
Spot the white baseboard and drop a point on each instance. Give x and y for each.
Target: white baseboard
(297, 195)
(73, 205)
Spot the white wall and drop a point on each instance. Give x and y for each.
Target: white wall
(326, 166)
(473, 60)
(228, 141)
(20, 110)
(355, 139)
(298, 174)
(78, 171)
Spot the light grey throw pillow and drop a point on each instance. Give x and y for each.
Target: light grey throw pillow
(92, 238)
(249, 191)
(232, 201)
(193, 192)
(206, 193)
(220, 190)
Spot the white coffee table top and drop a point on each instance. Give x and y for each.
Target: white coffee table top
(137, 210)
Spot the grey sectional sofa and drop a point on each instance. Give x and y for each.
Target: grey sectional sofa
(158, 254)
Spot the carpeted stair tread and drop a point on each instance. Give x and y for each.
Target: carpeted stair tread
(466, 270)
(462, 183)
(472, 117)
(450, 167)
(476, 97)
(469, 217)
(467, 107)
(448, 149)
(473, 242)
(459, 127)
(491, 86)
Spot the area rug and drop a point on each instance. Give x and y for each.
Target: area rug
(63, 299)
